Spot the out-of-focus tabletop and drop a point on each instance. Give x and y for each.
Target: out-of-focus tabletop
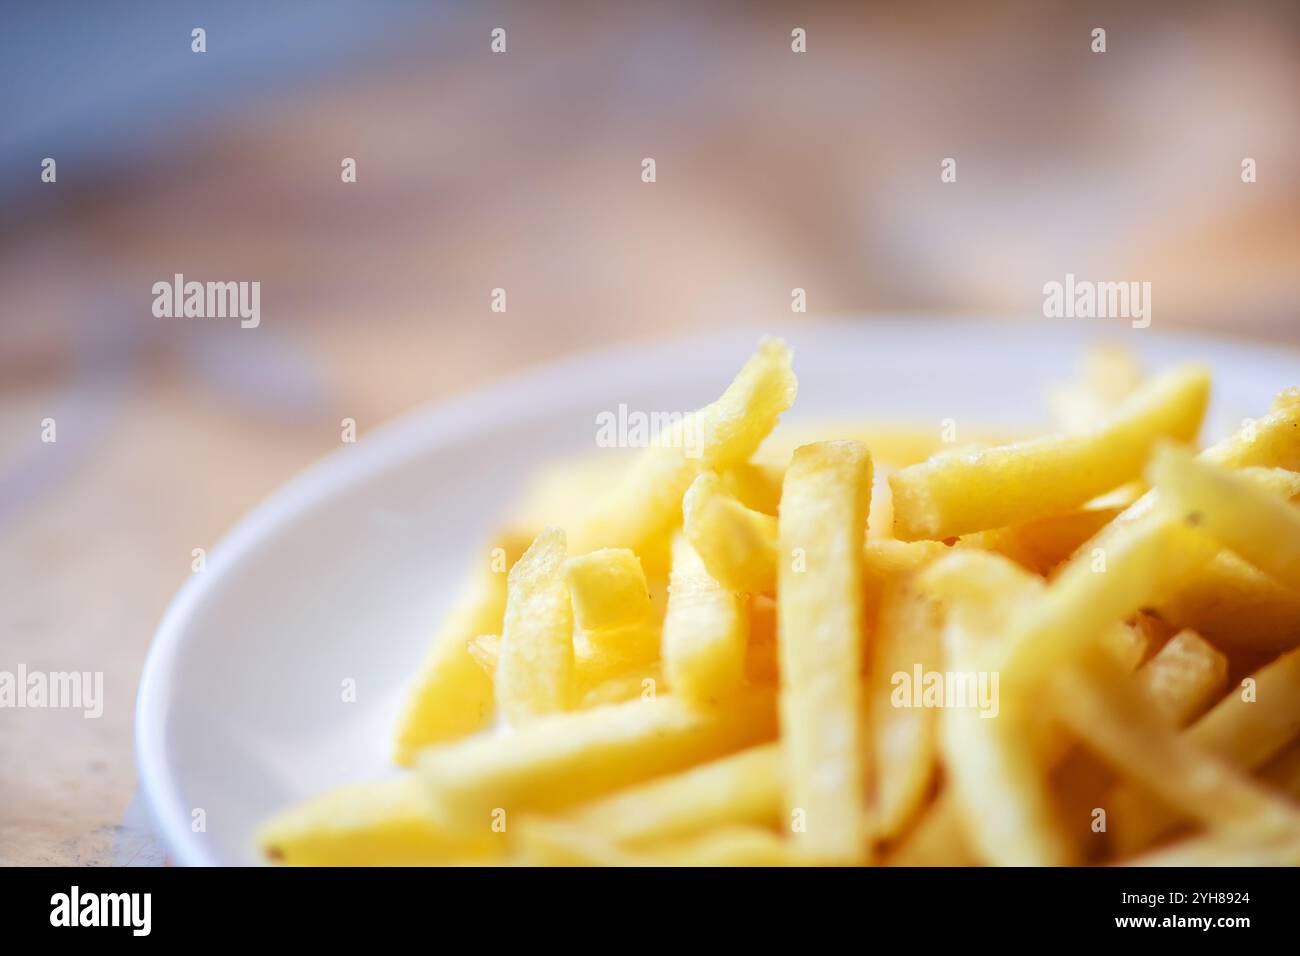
(775, 170)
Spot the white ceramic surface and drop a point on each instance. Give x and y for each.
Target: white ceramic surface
(345, 571)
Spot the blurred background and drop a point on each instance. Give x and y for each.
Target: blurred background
(522, 170)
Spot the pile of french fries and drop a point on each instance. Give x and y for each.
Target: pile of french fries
(751, 650)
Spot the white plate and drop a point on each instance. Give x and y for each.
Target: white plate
(344, 572)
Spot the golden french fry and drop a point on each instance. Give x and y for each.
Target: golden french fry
(997, 764)
(951, 496)
(705, 633)
(557, 843)
(754, 484)
(744, 788)
(616, 629)
(906, 639)
(1260, 847)
(891, 444)
(452, 696)
(608, 589)
(1244, 730)
(1041, 545)
(939, 839)
(819, 582)
(564, 759)
(1261, 527)
(1185, 677)
(644, 681)
(601, 678)
(1239, 609)
(1143, 554)
(737, 545)
(647, 502)
(761, 658)
(1115, 720)
(384, 823)
(535, 671)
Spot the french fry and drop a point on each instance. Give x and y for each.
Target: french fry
(997, 767)
(644, 681)
(951, 496)
(1261, 527)
(744, 788)
(1239, 609)
(761, 656)
(939, 839)
(555, 843)
(646, 503)
(1243, 732)
(819, 581)
(452, 696)
(705, 633)
(601, 679)
(1141, 555)
(535, 671)
(737, 545)
(558, 761)
(1041, 545)
(384, 823)
(905, 739)
(616, 630)
(1261, 847)
(1185, 677)
(729, 670)
(609, 591)
(755, 485)
(892, 444)
(1114, 720)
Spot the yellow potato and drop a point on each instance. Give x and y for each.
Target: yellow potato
(1258, 847)
(601, 678)
(705, 633)
(996, 764)
(955, 495)
(451, 695)
(558, 761)
(1239, 609)
(1261, 527)
(646, 503)
(1243, 733)
(1115, 720)
(746, 787)
(535, 672)
(819, 583)
(555, 843)
(905, 741)
(1185, 677)
(939, 839)
(644, 681)
(1144, 554)
(608, 589)
(737, 545)
(755, 485)
(892, 444)
(1041, 545)
(384, 823)
(616, 626)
